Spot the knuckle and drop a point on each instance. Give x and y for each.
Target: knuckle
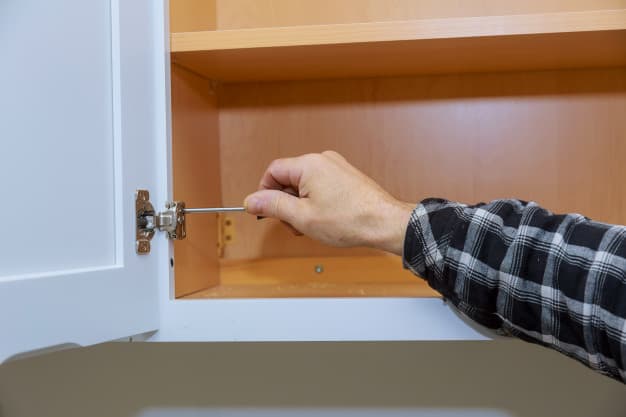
(277, 206)
(281, 207)
(273, 165)
(333, 154)
(313, 158)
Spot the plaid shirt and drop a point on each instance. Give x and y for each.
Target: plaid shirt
(555, 280)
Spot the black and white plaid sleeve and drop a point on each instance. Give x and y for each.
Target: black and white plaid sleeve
(555, 280)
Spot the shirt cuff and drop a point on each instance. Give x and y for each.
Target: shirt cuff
(431, 228)
(424, 248)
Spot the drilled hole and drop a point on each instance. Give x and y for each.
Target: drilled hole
(171, 262)
(228, 222)
(228, 237)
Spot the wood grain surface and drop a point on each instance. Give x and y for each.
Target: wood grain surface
(556, 137)
(357, 276)
(238, 14)
(192, 15)
(195, 162)
(473, 44)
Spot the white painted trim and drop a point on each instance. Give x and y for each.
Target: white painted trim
(313, 319)
(63, 272)
(116, 113)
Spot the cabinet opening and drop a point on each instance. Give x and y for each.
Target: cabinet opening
(556, 136)
(223, 138)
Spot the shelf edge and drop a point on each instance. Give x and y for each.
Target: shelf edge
(448, 28)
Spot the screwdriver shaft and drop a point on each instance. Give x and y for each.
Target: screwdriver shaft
(213, 209)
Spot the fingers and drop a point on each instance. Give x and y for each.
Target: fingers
(276, 204)
(287, 173)
(283, 173)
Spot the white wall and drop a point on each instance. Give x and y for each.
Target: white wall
(493, 379)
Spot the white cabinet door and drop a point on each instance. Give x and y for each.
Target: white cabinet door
(79, 91)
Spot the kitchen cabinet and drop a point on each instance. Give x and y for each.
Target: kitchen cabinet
(138, 104)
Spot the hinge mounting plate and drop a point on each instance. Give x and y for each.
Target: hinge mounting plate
(225, 233)
(171, 221)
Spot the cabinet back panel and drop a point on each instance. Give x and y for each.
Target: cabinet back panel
(235, 14)
(192, 15)
(556, 137)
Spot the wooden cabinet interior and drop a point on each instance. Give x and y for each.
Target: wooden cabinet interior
(554, 136)
(199, 15)
(475, 43)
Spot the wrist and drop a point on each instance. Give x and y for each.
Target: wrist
(394, 222)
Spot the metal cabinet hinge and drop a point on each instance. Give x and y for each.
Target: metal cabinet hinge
(171, 221)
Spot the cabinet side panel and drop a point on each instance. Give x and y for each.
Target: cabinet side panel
(192, 15)
(195, 153)
(555, 137)
(237, 14)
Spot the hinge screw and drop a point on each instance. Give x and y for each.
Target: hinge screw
(143, 246)
(319, 269)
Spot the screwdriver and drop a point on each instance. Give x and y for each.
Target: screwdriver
(213, 210)
(217, 210)
(230, 209)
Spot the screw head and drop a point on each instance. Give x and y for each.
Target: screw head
(319, 269)
(143, 247)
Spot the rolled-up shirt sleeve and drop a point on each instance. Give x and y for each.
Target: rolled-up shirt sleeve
(510, 265)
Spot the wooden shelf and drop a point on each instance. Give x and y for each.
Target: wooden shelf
(349, 276)
(469, 44)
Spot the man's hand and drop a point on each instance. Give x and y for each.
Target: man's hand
(327, 199)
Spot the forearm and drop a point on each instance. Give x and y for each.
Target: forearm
(554, 280)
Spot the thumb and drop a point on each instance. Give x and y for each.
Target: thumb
(273, 203)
